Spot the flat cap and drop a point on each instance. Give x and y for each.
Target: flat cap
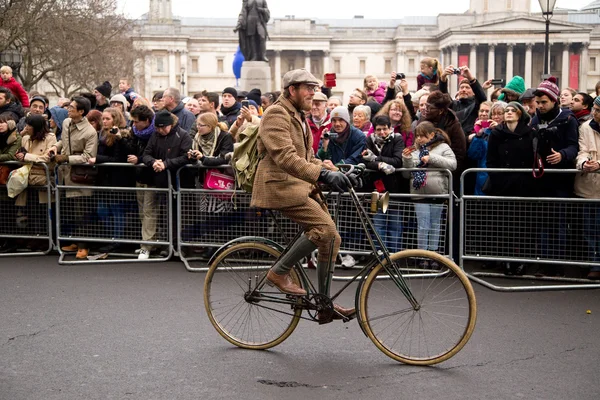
(319, 96)
(298, 76)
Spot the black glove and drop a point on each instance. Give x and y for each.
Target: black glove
(337, 180)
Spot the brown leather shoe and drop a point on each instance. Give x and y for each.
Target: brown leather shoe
(322, 317)
(284, 283)
(594, 275)
(70, 248)
(82, 254)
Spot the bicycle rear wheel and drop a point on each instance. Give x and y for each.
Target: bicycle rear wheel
(432, 332)
(247, 316)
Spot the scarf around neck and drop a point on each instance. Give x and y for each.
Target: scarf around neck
(144, 134)
(420, 177)
(343, 136)
(206, 143)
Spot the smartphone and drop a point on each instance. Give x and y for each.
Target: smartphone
(245, 103)
(485, 124)
(498, 82)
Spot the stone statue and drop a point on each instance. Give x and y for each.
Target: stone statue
(252, 29)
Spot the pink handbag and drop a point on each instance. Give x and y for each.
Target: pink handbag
(216, 180)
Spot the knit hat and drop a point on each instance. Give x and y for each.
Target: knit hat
(340, 112)
(524, 114)
(163, 118)
(515, 86)
(253, 103)
(38, 98)
(119, 98)
(254, 94)
(104, 89)
(597, 101)
(548, 88)
(230, 91)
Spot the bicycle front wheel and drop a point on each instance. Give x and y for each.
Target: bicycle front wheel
(246, 315)
(437, 326)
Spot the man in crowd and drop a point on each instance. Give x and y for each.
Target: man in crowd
(582, 107)
(8, 105)
(172, 102)
(230, 107)
(357, 98)
(37, 106)
(209, 102)
(527, 99)
(319, 119)
(333, 102)
(102, 93)
(470, 95)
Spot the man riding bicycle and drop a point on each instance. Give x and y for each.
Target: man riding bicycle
(285, 180)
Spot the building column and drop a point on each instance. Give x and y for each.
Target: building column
(326, 62)
(509, 61)
(278, 70)
(528, 48)
(183, 61)
(564, 79)
(473, 59)
(453, 85)
(491, 60)
(148, 75)
(584, 63)
(400, 61)
(172, 73)
(307, 60)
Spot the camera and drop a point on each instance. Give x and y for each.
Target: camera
(330, 135)
(400, 76)
(456, 71)
(114, 131)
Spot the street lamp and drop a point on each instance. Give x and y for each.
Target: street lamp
(547, 10)
(182, 80)
(12, 58)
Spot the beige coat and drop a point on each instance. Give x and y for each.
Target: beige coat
(587, 185)
(36, 152)
(80, 143)
(288, 170)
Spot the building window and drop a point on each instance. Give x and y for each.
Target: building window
(220, 67)
(387, 69)
(160, 64)
(337, 66)
(291, 64)
(509, 4)
(411, 65)
(362, 69)
(195, 69)
(592, 63)
(485, 6)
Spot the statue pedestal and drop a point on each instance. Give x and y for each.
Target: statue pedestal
(256, 74)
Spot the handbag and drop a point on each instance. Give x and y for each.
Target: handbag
(216, 180)
(79, 174)
(4, 172)
(17, 181)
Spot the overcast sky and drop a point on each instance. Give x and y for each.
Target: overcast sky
(320, 8)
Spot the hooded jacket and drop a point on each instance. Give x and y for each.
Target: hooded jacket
(16, 89)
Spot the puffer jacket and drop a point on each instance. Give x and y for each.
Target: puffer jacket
(587, 184)
(440, 156)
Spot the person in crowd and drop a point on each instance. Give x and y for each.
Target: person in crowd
(172, 102)
(248, 117)
(497, 113)
(141, 101)
(193, 106)
(10, 138)
(88, 95)
(64, 102)
(57, 117)
(495, 95)
(566, 97)
(432, 150)
(9, 106)
(143, 128)
(112, 148)
(582, 107)
(319, 119)
(510, 145)
(266, 100)
(209, 102)
(157, 101)
(165, 153)
(230, 107)
(527, 99)
(400, 119)
(422, 111)
(348, 142)
(597, 89)
(119, 102)
(79, 143)
(374, 89)
(102, 93)
(37, 106)
(255, 95)
(415, 99)
(398, 90)
(357, 98)
(557, 131)
(383, 153)
(470, 95)
(431, 70)
(587, 185)
(478, 143)
(9, 82)
(361, 119)
(333, 102)
(513, 89)
(126, 90)
(94, 117)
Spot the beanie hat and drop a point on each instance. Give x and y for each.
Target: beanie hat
(163, 118)
(104, 89)
(515, 86)
(119, 98)
(38, 98)
(524, 114)
(253, 103)
(231, 91)
(597, 101)
(548, 88)
(255, 95)
(340, 112)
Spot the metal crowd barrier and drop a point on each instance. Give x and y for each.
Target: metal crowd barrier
(209, 219)
(110, 215)
(27, 228)
(532, 230)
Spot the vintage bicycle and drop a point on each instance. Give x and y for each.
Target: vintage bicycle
(413, 314)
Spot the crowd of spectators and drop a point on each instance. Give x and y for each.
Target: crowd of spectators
(383, 125)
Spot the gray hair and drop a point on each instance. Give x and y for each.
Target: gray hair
(365, 110)
(498, 105)
(174, 93)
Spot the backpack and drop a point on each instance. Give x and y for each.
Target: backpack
(245, 158)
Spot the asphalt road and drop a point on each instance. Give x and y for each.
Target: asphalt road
(141, 332)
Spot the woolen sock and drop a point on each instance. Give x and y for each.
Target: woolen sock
(300, 249)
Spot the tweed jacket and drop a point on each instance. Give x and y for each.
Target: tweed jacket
(288, 169)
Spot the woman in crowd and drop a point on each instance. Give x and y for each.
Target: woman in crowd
(266, 100)
(431, 69)
(497, 114)
(566, 97)
(95, 119)
(361, 119)
(141, 101)
(10, 142)
(112, 148)
(400, 118)
(248, 117)
(375, 90)
(432, 151)
(478, 142)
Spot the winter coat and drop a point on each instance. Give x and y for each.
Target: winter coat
(390, 153)
(185, 118)
(587, 184)
(37, 152)
(288, 171)
(440, 156)
(223, 146)
(172, 149)
(449, 123)
(231, 114)
(378, 94)
(513, 150)
(423, 79)
(117, 153)
(348, 152)
(136, 146)
(317, 132)
(16, 89)
(467, 110)
(477, 152)
(13, 144)
(14, 110)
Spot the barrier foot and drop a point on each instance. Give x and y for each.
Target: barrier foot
(535, 288)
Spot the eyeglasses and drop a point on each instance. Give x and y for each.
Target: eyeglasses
(201, 125)
(310, 88)
(596, 110)
(430, 107)
(511, 110)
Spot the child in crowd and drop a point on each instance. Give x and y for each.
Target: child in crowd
(15, 87)
(375, 90)
(431, 70)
